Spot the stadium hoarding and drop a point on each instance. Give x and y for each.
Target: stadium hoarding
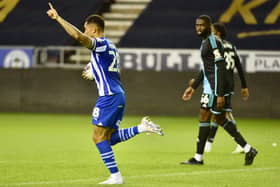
(189, 60)
(16, 57)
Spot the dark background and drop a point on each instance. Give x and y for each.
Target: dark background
(163, 24)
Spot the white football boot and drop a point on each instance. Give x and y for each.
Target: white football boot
(238, 150)
(208, 147)
(115, 178)
(148, 126)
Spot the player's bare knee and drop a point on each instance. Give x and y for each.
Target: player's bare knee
(97, 138)
(205, 115)
(101, 134)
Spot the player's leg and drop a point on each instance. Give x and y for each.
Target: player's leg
(203, 132)
(106, 121)
(238, 148)
(101, 137)
(212, 134)
(231, 128)
(108, 114)
(121, 135)
(229, 116)
(146, 125)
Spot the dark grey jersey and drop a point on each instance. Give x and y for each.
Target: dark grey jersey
(213, 65)
(231, 60)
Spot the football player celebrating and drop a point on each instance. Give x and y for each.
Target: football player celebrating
(109, 109)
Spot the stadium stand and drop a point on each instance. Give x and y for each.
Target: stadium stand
(170, 24)
(28, 24)
(121, 15)
(161, 24)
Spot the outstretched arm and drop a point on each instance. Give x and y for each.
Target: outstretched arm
(74, 32)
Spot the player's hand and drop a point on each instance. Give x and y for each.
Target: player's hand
(191, 82)
(245, 94)
(220, 102)
(52, 13)
(84, 75)
(188, 94)
(87, 72)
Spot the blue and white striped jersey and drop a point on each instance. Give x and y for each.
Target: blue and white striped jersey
(105, 66)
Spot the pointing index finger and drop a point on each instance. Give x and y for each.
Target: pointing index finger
(50, 5)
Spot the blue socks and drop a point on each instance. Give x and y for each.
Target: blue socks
(106, 151)
(107, 156)
(122, 135)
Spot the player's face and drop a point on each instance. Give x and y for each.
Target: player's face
(201, 28)
(90, 29)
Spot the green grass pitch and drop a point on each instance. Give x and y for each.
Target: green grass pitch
(52, 150)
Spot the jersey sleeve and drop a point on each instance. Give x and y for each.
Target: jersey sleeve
(198, 80)
(239, 69)
(99, 45)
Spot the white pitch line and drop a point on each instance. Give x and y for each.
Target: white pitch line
(144, 176)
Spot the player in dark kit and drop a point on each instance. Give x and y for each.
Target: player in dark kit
(232, 61)
(216, 93)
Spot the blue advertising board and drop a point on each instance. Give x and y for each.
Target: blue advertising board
(16, 57)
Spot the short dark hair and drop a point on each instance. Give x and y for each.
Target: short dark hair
(206, 18)
(220, 27)
(96, 19)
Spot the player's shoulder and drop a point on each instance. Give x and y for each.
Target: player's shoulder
(101, 40)
(106, 41)
(213, 41)
(227, 44)
(102, 44)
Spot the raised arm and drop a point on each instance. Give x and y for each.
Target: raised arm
(74, 32)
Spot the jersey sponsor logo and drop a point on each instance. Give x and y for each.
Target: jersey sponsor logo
(101, 48)
(217, 54)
